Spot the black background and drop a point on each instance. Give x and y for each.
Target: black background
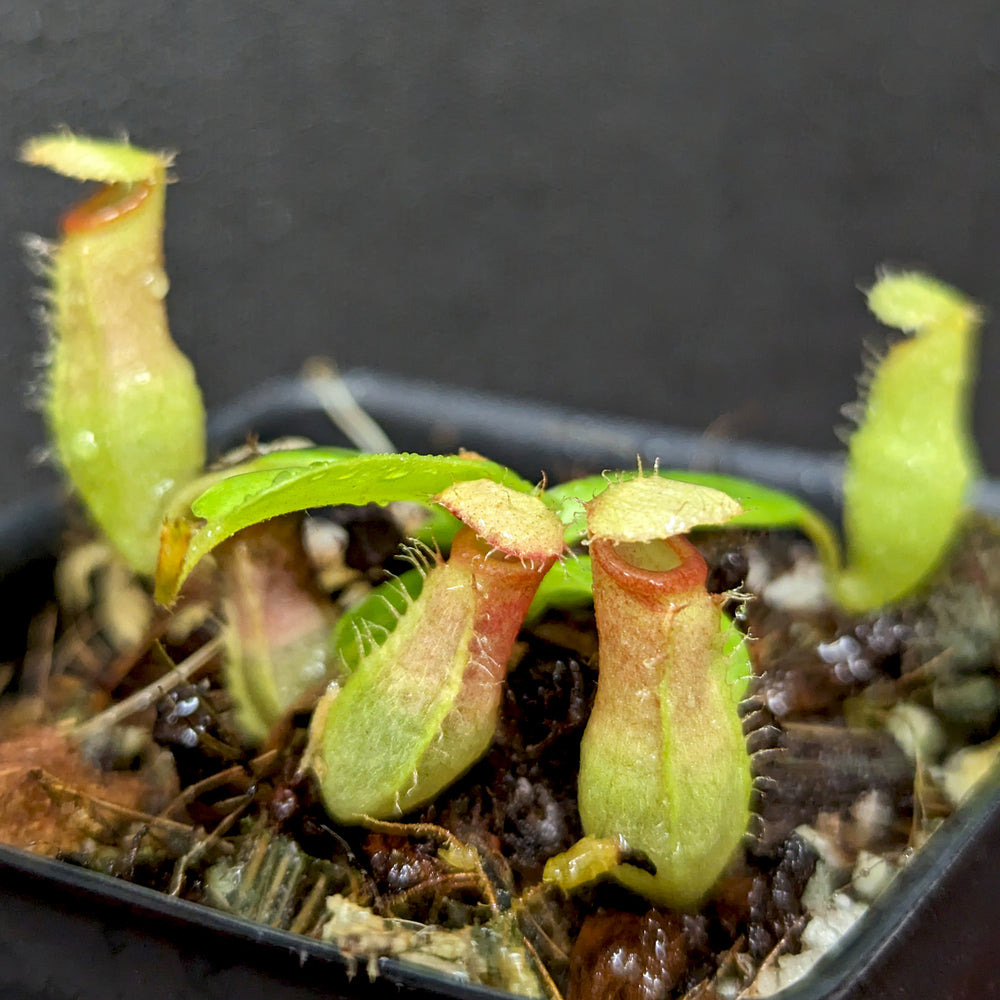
(652, 209)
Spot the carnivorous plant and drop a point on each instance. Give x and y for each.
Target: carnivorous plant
(123, 408)
(664, 767)
(422, 707)
(665, 776)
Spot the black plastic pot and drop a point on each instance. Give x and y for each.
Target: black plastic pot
(67, 932)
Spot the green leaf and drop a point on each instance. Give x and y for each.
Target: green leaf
(569, 584)
(261, 473)
(262, 491)
(375, 617)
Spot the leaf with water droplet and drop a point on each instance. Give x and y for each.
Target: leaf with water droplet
(252, 493)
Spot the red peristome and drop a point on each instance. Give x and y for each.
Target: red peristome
(634, 609)
(107, 205)
(650, 585)
(504, 588)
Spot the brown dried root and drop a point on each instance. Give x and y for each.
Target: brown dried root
(206, 843)
(105, 819)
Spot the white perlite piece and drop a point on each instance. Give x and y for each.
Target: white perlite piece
(801, 588)
(825, 928)
(965, 769)
(833, 912)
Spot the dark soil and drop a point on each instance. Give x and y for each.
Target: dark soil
(813, 723)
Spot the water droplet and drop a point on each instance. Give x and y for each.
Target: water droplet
(163, 487)
(84, 445)
(157, 282)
